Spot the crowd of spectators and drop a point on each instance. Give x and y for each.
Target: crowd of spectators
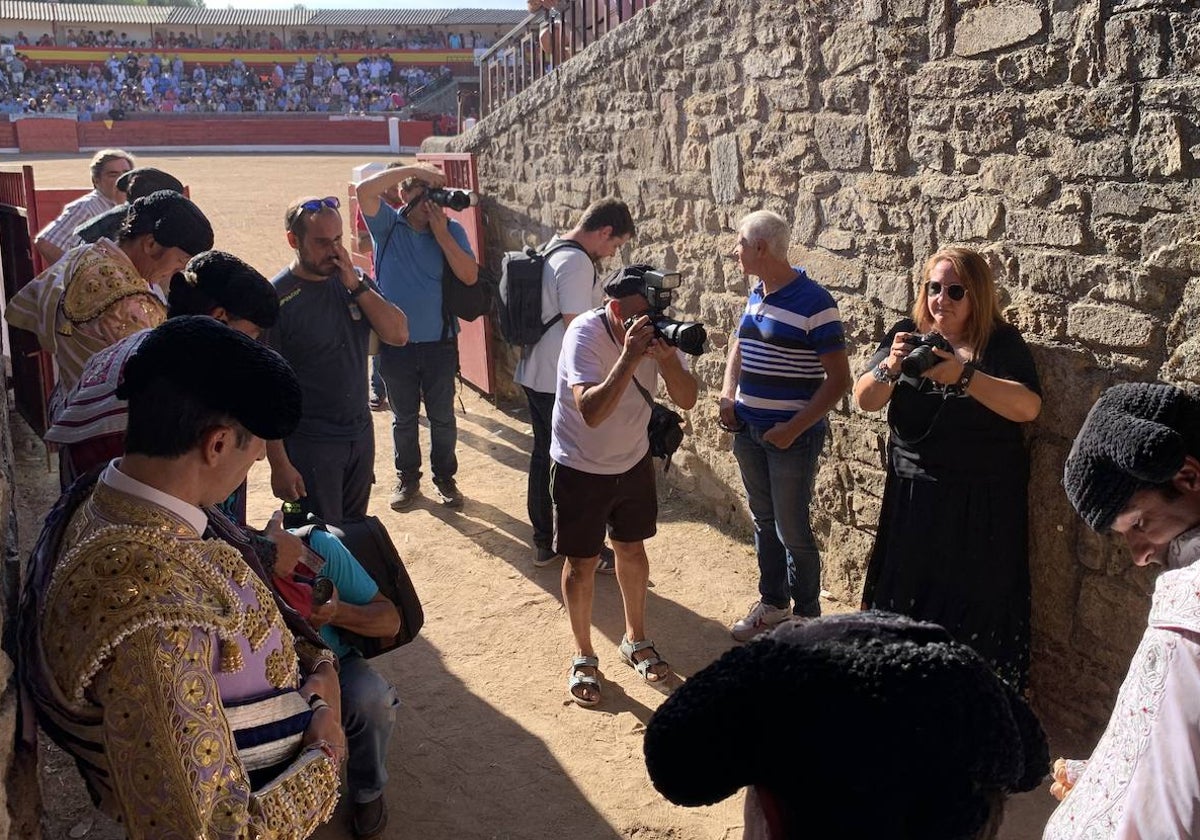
(154, 83)
(341, 39)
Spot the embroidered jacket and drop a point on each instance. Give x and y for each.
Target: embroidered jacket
(159, 660)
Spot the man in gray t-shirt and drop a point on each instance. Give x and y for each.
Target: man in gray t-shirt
(569, 287)
(327, 310)
(602, 475)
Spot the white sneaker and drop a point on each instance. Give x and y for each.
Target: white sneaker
(762, 618)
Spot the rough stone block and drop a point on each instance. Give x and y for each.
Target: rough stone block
(1135, 46)
(1098, 112)
(1101, 159)
(931, 152)
(830, 271)
(842, 141)
(1173, 242)
(726, 169)
(1110, 326)
(845, 95)
(976, 217)
(892, 290)
(990, 28)
(1183, 367)
(1037, 227)
(1118, 238)
(1112, 611)
(1018, 178)
(1129, 201)
(948, 81)
(848, 46)
(887, 125)
(836, 240)
(985, 129)
(1158, 150)
(1032, 69)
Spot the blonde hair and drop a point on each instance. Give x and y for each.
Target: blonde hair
(976, 275)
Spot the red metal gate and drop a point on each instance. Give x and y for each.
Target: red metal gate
(475, 337)
(32, 367)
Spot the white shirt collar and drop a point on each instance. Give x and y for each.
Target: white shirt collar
(1184, 549)
(189, 513)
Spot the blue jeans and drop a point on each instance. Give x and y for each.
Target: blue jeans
(378, 389)
(368, 715)
(779, 488)
(412, 372)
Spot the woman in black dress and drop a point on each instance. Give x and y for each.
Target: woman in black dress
(952, 544)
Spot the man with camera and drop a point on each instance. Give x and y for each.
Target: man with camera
(786, 368)
(414, 246)
(327, 310)
(569, 286)
(602, 474)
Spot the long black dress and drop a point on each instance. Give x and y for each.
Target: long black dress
(952, 544)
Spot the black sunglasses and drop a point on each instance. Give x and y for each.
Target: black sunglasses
(317, 204)
(956, 292)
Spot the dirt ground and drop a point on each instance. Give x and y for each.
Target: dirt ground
(487, 744)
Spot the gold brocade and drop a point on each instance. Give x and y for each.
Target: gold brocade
(98, 282)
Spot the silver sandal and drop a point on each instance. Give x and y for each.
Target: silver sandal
(628, 649)
(577, 678)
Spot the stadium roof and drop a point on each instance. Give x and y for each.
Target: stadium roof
(84, 13)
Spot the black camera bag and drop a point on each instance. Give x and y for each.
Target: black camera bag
(368, 540)
(665, 428)
(462, 301)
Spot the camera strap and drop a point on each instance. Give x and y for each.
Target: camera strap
(603, 313)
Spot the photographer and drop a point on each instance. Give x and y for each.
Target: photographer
(413, 246)
(785, 370)
(951, 547)
(603, 474)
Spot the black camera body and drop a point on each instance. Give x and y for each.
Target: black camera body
(921, 358)
(688, 336)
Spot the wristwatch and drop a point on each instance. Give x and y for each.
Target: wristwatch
(964, 380)
(363, 286)
(882, 374)
(316, 701)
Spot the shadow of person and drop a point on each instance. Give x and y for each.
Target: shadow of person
(460, 768)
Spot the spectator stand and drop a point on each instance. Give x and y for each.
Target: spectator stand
(547, 37)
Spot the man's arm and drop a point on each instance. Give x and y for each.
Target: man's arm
(378, 618)
(50, 252)
(733, 372)
(388, 320)
(286, 481)
(163, 717)
(462, 261)
(682, 386)
(596, 401)
(369, 190)
(837, 382)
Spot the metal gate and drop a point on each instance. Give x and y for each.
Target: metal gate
(32, 367)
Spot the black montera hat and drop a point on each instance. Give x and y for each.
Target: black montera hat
(879, 719)
(173, 219)
(145, 180)
(1135, 436)
(225, 370)
(626, 281)
(218, 279)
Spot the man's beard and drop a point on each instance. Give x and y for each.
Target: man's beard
(316, 268)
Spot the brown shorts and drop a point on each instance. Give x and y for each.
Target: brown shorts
(584, 503)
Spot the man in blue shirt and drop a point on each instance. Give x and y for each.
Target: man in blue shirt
(787, 367)
(413, 244)
(368, 700)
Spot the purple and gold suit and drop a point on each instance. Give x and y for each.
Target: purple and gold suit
(158, 659)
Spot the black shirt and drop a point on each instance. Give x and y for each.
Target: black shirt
(324, 336)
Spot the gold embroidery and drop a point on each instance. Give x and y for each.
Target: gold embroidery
(278, 670)
(231, 656)
(96, 283)
(120, 508)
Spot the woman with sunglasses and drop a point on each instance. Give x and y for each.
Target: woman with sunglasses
(951, 547)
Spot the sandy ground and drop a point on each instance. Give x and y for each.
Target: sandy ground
(487, 744)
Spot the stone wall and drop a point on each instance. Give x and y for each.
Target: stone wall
(1058, 137)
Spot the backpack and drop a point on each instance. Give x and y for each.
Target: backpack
(521, 293)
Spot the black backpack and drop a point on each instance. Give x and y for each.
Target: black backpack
(521, 293)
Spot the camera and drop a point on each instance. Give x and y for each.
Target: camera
(921, 358)
(688, 336)
(453, 199)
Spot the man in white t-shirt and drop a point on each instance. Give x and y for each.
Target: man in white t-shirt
(569, 286)
(602, 474)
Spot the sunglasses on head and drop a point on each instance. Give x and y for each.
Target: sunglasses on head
(956, 292)
(317, 204)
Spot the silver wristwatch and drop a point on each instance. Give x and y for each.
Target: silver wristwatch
(881, 374)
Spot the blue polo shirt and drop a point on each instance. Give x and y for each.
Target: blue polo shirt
(408, 268)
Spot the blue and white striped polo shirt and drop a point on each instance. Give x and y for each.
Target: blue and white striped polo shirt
(782, 337)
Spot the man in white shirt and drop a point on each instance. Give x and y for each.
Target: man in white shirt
(1134, 470)
(602, 477)
(58, 237)
(569, 286)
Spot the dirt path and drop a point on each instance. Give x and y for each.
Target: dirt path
(487, 744)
